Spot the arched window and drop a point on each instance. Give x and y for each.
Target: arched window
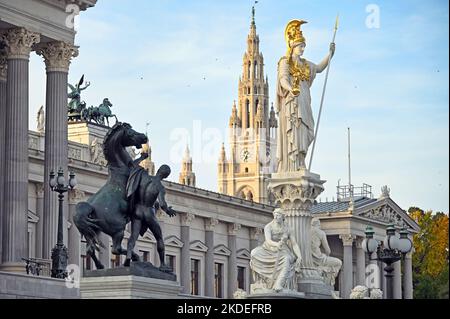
(256, 70)
(255, 90)
(249, 69)
(246, 169)
(256, 105)
(248, 91)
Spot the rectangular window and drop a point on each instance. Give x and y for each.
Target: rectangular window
(86, 262)
(195, 265)
(145, 255)
(115, 261)
(241, 278)
(170, 262)
(218, 280)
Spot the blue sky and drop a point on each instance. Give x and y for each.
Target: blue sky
(176, 65)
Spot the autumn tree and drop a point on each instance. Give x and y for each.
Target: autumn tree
(430, 257)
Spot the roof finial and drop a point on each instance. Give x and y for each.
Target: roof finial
(253, 13)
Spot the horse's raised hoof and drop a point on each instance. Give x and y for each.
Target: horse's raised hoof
(127, 262)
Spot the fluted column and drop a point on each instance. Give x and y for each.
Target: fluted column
(3, 72)
(57, 57)
(185, 273)
(397, 280)
(210, 224)
(407, 277)
(74, 237)
(232, 261)
(15, 245)
(347, 271)
(40, 213)
(360, 263)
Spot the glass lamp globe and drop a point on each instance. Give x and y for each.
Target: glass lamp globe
(404, 243)
(52, 181)
(60, 179)
(72, 180)
(391, 241)
(369, 244)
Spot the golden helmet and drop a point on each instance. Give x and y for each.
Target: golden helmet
(293, 34)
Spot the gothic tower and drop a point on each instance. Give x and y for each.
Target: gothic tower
(187, 176)
(251, 130)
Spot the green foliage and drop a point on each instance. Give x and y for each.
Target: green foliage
(430, 257)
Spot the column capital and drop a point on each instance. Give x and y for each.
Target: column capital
(19, 42)
(358, 242)
(347, 239)
(40, 190)
(255, 232)
(76, 196)
(233, 228)
(187, 219)
(57, 55)
(3, 64)
(211, 223)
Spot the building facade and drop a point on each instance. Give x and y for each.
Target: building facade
(208, 243)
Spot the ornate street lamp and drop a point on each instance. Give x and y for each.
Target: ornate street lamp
(389, 251)
(59, 252)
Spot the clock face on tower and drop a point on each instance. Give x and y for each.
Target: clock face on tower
(245, 155)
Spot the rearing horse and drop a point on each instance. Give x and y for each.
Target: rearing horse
(107, 210)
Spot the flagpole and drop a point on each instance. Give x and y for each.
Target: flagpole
(323, 96)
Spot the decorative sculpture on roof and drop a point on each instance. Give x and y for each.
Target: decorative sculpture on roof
(76, 106)
(77, 110)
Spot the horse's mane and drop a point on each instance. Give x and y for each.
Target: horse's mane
(109, 137)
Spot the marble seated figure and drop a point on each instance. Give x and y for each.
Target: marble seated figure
(275, 263)
(321, 251)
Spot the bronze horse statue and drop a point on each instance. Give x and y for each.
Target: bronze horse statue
(108, 210)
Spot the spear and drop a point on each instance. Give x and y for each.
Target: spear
(323, 95)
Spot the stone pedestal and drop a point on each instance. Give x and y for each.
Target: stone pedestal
(139, 281)
(280, 295)
(128, 287)
(85, 132)
(295, 193)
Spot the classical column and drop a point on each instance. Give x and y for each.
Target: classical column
(232, 260)
(74, 238)
(397, 280)
(40, 213)
(3, 68)
(15, 245)
(57, 57)
(210, 224)
(185, 273)
(383, 284)
(347, 271)
(360, 263)
(407, 277)
(296, 193)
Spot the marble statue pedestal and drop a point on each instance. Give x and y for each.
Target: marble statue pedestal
(86, 132)
(296, 193)
(277, 295)
(139, 281)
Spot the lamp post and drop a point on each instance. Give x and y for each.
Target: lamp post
(59, 252)
(389, 251)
